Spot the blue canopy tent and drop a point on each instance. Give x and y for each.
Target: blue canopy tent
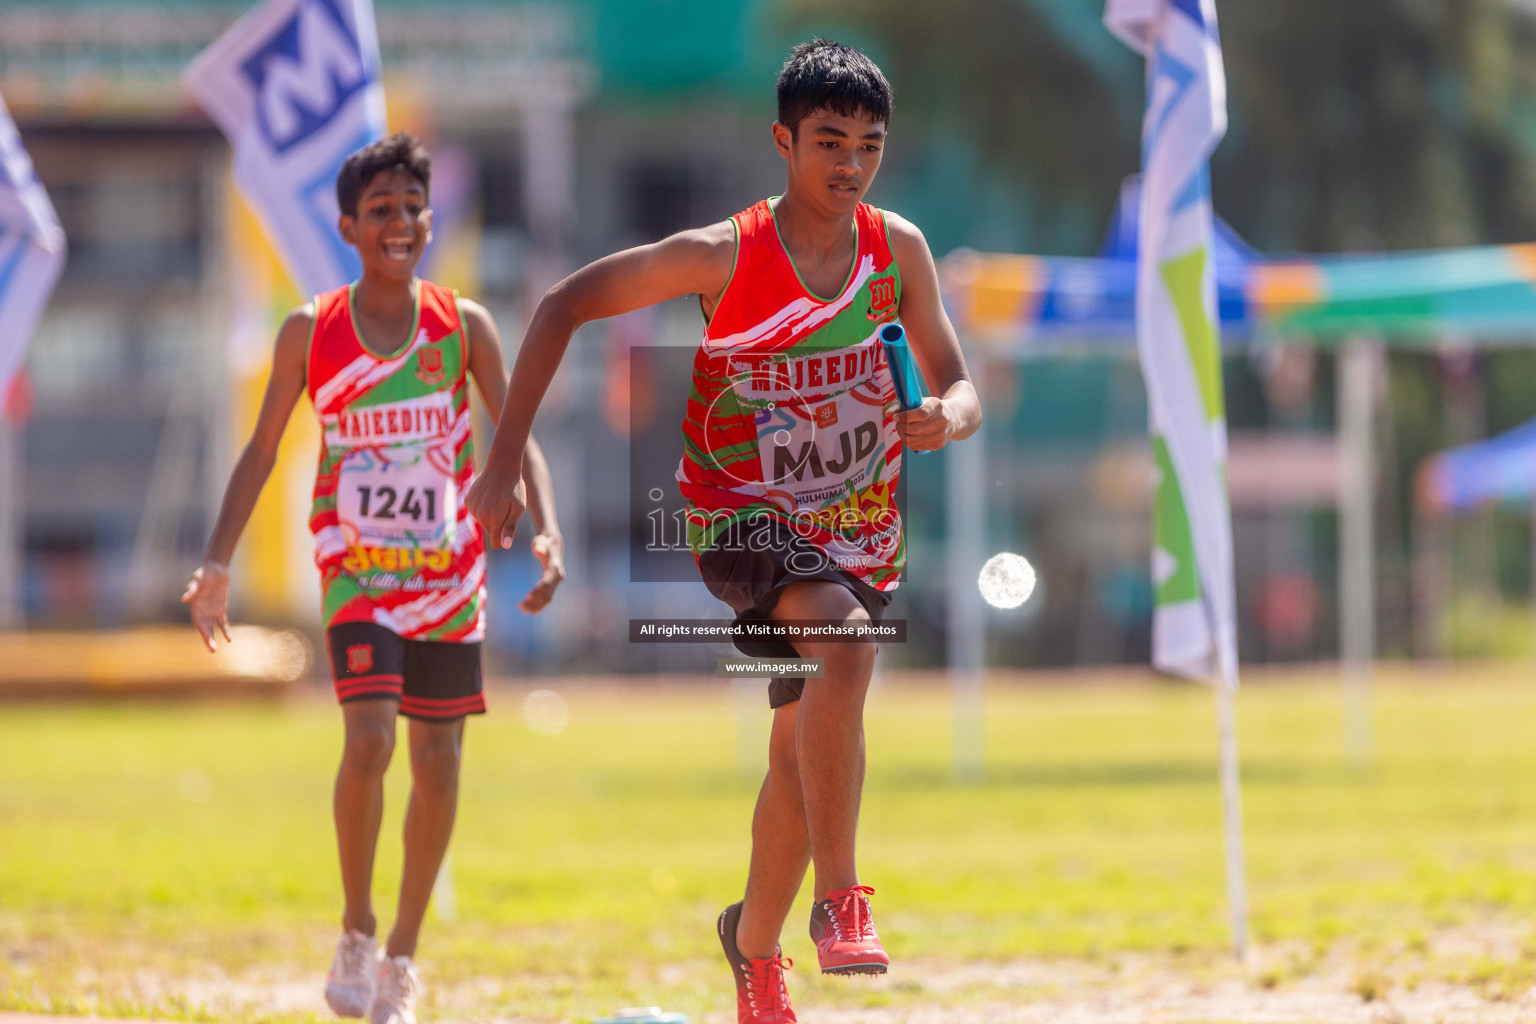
(1499, 470)
(1023, 303)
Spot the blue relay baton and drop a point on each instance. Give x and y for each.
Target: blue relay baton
(904, 372)
(905, 375)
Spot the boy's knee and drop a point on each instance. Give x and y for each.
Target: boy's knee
(435, 760)
(848, 666)
(859, 660)
(369, 750)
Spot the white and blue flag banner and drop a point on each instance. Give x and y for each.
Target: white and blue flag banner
(31, 250)
(295, 86)
(1194, 630)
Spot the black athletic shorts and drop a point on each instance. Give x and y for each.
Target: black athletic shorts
(748, 570)
(433, 681)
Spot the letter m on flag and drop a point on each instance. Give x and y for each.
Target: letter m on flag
(295, 86)
(304, 74)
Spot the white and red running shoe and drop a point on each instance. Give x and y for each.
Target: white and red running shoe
(349, 986)
(394, 998)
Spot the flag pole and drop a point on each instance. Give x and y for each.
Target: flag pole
(1232, 809)
(1178, 333)
(12, 514)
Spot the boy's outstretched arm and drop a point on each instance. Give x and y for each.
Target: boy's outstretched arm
(696, 262)
(208, 591)
(548, 543)
(490, 374)
(953, 412)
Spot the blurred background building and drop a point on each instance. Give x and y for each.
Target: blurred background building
(564, 130)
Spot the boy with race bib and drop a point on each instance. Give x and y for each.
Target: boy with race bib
(386, 363)
(792, 447)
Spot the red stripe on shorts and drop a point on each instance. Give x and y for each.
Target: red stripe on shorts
(388, 685)
(436, 707)
(368, 695)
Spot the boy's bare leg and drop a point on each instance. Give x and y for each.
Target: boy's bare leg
(830, 730)
(831, 743)
(781, 849)
(436, 749)
(358, 803)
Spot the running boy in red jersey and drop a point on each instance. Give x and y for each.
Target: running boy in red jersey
(386, 363)
(792, 446)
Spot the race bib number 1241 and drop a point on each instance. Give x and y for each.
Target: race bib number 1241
(396, 498)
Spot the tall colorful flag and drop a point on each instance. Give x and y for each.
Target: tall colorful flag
(1194, 626)
(295, 86)
(31, 250)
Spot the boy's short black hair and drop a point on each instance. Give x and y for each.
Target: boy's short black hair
(401, 151)
(823, 75)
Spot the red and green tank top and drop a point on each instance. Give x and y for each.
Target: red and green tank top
(792, 411)
(393, 541)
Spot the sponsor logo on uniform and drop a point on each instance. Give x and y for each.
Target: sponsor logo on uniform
(359, 658)
(826, 415)
(361, 559)
(882, 299)
(429, 366)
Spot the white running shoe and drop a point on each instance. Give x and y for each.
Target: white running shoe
(394, 998)
(349, 986)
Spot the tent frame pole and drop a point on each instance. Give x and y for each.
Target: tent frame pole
(965, 470)
(1359, 366)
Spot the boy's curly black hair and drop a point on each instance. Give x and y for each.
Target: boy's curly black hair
(400, 151)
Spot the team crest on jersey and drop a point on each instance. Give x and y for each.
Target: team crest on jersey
(882, 299)
(429, 366)
(359, 658)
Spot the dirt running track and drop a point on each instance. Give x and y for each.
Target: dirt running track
(1129, 989)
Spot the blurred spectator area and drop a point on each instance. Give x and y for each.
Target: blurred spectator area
(108, 365)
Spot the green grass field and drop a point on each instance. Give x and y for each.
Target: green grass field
(153, 852)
